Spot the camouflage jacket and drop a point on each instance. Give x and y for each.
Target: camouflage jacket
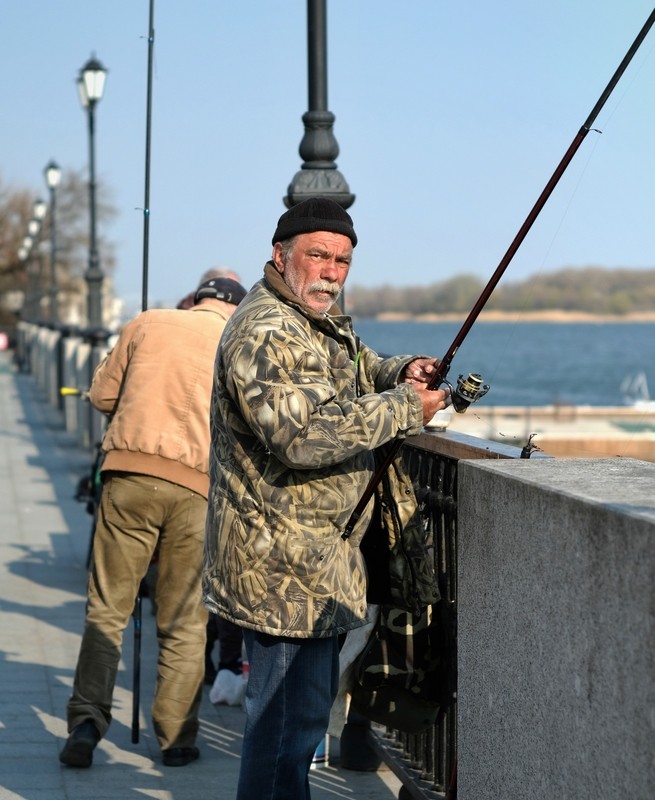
(298, 408)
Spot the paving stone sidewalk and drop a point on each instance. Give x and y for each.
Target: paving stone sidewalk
(44, 534)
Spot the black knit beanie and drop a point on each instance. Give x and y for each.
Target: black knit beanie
(314, 214)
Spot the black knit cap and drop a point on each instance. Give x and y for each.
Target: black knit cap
(224, 289)
(314, 214)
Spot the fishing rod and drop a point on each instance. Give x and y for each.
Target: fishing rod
(146, 201)
(68, 391)
(137, 611)
(471, 388)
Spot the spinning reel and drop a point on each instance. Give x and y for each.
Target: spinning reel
(468, 390)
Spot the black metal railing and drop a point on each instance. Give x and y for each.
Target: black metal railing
(426, 763)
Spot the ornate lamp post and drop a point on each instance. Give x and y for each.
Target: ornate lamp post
(318, 174)
(52, 174)
(91, 84)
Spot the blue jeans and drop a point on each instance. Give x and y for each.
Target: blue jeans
(291, 688)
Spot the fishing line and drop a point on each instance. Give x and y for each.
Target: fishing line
(493, 430)
(518, 317)
(439, 376)
(637, 68)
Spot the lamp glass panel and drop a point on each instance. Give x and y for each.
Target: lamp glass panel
(94, 83)
(52, 176)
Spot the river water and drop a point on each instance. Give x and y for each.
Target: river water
(532, 363)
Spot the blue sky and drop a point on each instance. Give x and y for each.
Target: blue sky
(450, 118)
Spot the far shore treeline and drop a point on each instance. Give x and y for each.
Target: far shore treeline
(589, 290)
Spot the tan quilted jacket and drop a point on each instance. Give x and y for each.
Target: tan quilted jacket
(156, 385)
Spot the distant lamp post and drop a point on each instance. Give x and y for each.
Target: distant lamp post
(52, 174)
(91, 84)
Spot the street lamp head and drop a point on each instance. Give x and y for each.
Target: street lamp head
(23, 253)
(40, 209)
(91, 82)
(33, 227)
(52, 174)
(27, 243)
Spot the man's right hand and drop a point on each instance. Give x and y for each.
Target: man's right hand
(433, 400)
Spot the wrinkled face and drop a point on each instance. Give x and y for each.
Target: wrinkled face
(316, 267)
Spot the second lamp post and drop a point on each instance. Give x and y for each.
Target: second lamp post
(91, 84)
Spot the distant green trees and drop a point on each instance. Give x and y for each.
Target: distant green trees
(594, 290)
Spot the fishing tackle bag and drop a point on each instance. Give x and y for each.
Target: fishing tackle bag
(401, 678)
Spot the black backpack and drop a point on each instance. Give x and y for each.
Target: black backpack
(404, 676)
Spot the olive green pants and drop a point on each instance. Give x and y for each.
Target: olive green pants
(137, 514)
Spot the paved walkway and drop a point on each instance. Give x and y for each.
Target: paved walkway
(43, 541)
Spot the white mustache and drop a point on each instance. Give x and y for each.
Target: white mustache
(326, 286)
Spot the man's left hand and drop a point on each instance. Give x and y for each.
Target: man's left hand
(419, 371)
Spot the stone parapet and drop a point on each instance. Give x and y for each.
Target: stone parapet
(556, 629)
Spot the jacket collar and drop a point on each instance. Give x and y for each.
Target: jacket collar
(276, 282)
